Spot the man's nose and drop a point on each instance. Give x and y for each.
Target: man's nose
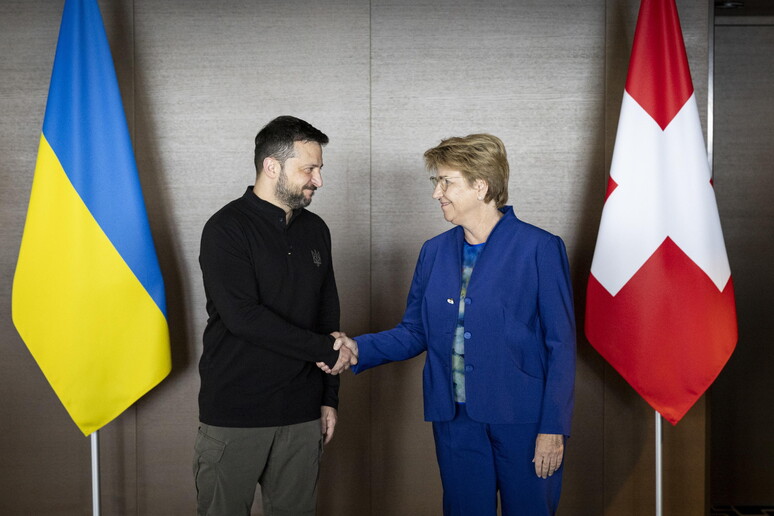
(317, 178)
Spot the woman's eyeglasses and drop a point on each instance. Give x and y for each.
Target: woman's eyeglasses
(443, 181)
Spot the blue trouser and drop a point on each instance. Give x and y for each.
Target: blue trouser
(477, 460)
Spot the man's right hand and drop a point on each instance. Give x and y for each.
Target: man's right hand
(347, 354)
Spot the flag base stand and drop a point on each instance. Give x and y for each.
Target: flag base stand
(95, 473)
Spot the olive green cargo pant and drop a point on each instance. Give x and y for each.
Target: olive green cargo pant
(229, 463)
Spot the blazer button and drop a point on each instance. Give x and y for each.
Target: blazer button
(468, 301)
(468, 368)
(466, 335)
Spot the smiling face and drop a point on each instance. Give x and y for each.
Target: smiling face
(300, 176)
(459, 200)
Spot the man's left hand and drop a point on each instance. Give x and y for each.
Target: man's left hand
(328, 418)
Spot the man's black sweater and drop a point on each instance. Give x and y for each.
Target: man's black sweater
(272, 302)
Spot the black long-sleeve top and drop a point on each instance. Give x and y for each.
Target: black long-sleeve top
(272, 302)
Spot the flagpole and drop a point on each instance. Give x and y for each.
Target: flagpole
(711, 88)
(659, 468)
(95, 472)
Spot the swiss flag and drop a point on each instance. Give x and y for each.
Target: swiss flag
(660, 301)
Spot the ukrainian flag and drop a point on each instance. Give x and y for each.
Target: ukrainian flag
(88, 296)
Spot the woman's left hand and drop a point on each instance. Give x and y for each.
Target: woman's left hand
(549, 450)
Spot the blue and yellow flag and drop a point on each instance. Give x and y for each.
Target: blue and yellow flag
(88, 296)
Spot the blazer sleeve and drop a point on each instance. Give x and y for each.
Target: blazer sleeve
(408, 338)
(557, 319)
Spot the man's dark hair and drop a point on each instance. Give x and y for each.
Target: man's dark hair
(276, 139)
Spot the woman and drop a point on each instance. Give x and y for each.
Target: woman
(491, 303)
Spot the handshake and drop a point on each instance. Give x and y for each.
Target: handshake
(347, 349)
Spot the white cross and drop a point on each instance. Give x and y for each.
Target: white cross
(663, 191)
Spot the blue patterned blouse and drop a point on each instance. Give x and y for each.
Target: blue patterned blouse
(470, 254)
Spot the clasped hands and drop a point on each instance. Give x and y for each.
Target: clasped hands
(347, 349)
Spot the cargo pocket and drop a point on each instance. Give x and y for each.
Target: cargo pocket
(207, 453)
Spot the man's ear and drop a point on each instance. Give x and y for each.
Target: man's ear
(271, 167)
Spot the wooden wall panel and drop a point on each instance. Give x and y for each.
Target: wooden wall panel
(741, 400)
(531, 73)
(211, 75)
(385, 80)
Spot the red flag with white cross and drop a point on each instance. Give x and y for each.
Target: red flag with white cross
(660, 300)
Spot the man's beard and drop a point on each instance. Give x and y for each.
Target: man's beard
(293, 199)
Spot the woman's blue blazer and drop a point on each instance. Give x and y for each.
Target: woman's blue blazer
(519, 328)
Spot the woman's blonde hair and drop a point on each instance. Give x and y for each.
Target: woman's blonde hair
(476, 156)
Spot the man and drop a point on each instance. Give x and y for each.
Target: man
(265, 408)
